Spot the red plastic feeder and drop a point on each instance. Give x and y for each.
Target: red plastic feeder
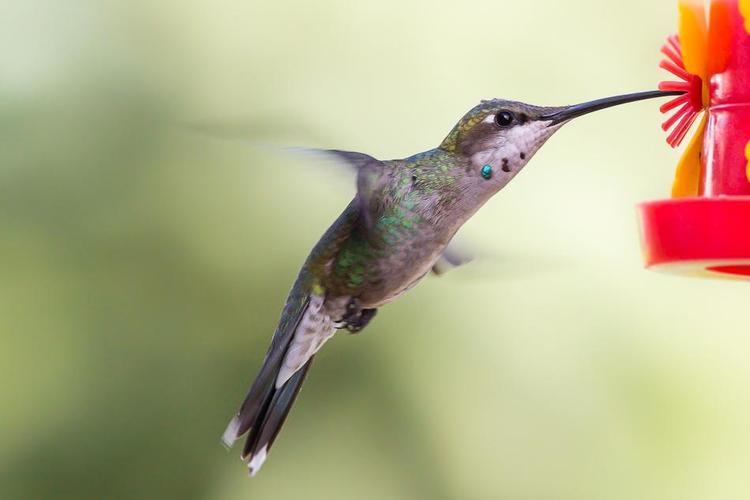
(705, 229)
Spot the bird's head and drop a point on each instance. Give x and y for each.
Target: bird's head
(497, 138)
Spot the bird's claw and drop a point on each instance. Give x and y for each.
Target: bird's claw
(356, 318)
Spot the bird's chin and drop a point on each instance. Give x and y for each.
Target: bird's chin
(555, 125)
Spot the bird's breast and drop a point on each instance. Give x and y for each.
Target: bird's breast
(402, 267)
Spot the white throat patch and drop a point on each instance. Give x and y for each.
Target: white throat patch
(513, 149)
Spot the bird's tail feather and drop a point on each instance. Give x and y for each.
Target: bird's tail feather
(266, 406)
(262, 435)
(266, 424)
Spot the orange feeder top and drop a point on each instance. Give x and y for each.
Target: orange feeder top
(704, 230)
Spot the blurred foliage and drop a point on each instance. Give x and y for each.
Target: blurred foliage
(145, 259)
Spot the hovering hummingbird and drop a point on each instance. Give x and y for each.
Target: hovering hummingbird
(395, 231)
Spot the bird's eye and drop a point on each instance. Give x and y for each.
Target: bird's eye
(504, 119)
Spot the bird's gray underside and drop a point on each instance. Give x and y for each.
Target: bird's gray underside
(318, 324)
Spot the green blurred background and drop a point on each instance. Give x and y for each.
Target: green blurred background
(147, 247)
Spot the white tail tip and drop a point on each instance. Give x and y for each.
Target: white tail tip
(254, 465)
(230, 435)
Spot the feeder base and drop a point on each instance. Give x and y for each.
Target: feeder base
(706, 237)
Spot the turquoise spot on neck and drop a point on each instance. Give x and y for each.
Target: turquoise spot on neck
(487, 172)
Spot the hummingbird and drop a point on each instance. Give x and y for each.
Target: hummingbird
(396, 230)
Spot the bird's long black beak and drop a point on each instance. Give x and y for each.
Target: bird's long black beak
(569, 112)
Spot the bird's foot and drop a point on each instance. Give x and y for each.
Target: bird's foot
(365, 316)
(356, 318)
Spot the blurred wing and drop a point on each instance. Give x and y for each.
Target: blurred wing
(452, 257)
(370, 176)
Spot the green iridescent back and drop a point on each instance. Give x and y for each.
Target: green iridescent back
(352, 258)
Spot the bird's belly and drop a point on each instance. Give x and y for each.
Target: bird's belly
(398, 275)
